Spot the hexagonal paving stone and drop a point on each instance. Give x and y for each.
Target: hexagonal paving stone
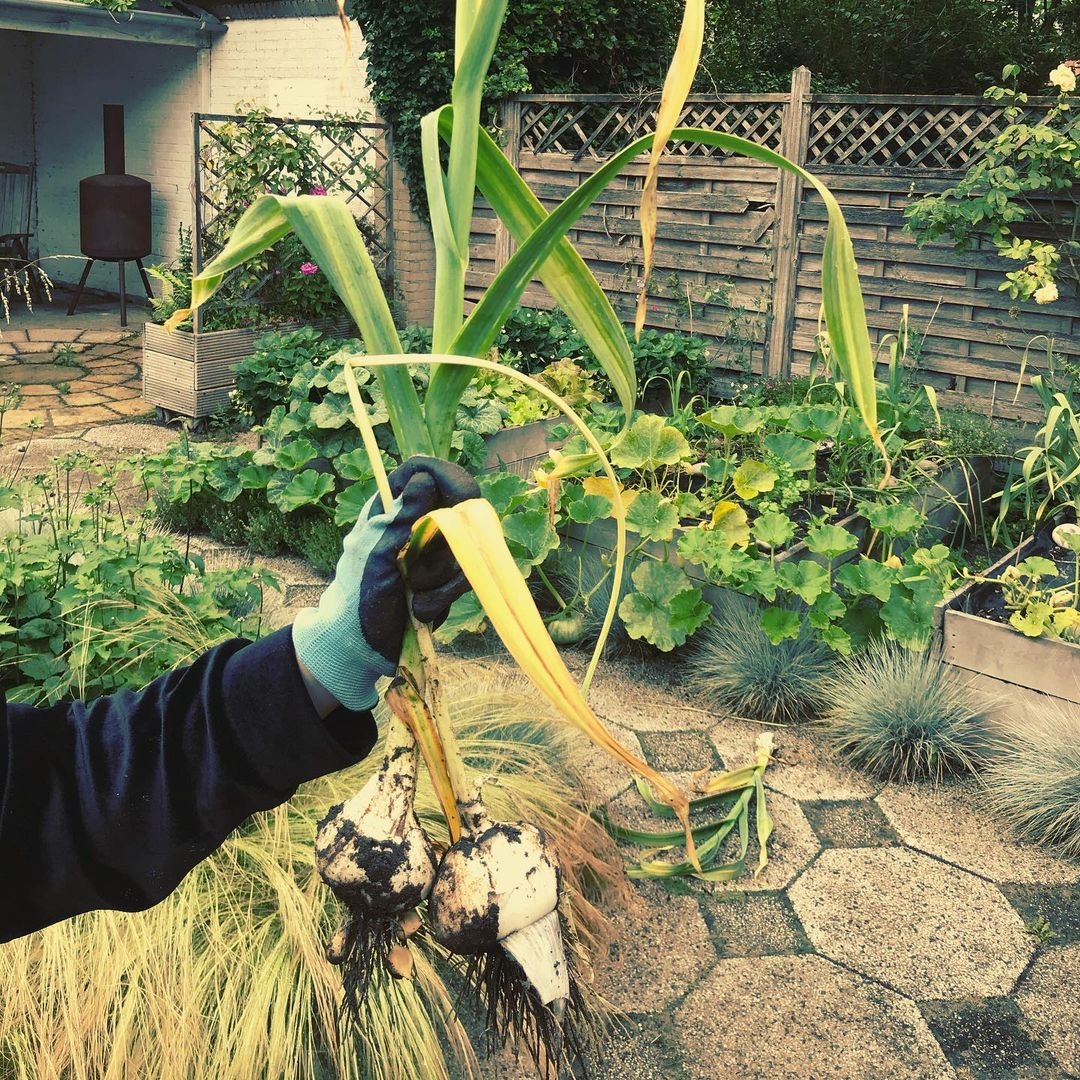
(603, 776)
(663, 947)
(674, 750)
(849, 823)
(803, 768)
(1057, 905)
(923, 928)
(1049, 1000)
(988, 1039)
(753, 924)
(802, 1017)
(951, 822)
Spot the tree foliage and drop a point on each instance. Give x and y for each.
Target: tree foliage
(1018, 193)
(615, 46)
(551, 46)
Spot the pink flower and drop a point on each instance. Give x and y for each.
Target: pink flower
(316, 189)
(309, 268)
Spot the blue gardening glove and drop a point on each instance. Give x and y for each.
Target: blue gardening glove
(354, 636)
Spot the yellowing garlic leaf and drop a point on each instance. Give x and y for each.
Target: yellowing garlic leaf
(475, 537)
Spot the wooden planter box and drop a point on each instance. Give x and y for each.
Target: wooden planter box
(1001, 660)
(520, 449)
(191, 374)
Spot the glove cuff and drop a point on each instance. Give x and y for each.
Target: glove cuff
(335, 653)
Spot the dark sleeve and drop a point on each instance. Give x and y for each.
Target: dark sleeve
(108, 804)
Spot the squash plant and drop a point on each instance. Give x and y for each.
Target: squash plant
(459, 157)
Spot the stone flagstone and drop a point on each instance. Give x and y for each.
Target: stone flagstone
(917, 925)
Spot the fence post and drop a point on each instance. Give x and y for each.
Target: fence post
(511, 127)
(794, 139)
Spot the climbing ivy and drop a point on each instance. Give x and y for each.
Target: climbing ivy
(547, 46)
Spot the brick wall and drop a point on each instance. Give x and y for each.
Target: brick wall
(299, 66)
(414, 260)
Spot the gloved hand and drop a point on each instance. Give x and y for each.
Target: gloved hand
(354, 636)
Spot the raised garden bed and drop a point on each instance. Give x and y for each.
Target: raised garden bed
(191, 374)
(1000, 659)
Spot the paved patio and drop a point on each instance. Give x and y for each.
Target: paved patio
(895, 932)
(71, 371)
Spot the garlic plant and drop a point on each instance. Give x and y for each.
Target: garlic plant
(504, 857)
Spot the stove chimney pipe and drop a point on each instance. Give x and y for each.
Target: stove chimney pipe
(114, 139)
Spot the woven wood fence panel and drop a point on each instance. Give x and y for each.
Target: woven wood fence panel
(739, 249)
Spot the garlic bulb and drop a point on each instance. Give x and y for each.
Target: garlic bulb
(379, 862)
(499, 886)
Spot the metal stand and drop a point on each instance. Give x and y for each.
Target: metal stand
(123, 284)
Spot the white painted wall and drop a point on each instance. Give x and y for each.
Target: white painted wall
(299, 66)
(159, 89)
(16, 97)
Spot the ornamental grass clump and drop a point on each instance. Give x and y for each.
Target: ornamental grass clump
(901, 714)
(227, 976)
(1033, 774)
(739, 669)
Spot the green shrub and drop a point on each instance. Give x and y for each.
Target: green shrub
(316, 538)
(903, 715)
(264, 379)
(87, 592)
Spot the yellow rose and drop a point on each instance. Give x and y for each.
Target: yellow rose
(1063, 78)
(1047, 294)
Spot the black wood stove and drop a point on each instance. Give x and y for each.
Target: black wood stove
(114, 214)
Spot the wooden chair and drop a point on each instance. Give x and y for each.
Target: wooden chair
(16, 208)
(16, 205)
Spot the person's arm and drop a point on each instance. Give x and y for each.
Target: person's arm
(109, 804)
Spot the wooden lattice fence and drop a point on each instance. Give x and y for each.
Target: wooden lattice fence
(739, 245)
